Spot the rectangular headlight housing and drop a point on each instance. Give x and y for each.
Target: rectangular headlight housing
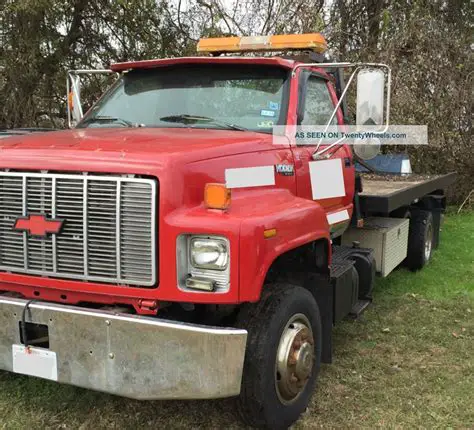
(202, 258)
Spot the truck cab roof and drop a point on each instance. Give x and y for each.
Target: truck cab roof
(149, 64)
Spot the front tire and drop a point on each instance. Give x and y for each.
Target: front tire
(283, 356)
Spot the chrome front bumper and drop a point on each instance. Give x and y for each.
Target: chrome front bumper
(127, 355)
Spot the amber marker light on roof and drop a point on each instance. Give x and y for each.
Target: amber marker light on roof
(283, 42)
(217, 196)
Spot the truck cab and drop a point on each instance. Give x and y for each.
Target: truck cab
(178, 242)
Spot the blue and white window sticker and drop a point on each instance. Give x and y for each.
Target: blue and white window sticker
(273, 105)
(265, 112)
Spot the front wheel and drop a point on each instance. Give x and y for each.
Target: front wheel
(283, 356)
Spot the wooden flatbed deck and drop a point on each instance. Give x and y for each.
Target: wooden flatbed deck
(386, 192)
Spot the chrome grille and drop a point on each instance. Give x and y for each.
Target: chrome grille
(109, 230)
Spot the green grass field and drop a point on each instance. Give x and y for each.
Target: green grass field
(408, 362)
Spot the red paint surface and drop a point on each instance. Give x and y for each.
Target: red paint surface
(163, 62)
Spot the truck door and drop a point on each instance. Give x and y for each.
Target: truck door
(329, 181)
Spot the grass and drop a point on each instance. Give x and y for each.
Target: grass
(407, 362)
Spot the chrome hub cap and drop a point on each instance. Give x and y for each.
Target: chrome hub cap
(295, 358)
(429, 242)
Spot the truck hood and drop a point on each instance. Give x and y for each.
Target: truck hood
(106, 149)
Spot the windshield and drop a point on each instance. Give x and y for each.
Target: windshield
(220, 96)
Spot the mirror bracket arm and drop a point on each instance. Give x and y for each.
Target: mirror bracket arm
(317, 155)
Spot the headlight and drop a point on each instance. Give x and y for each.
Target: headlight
(203, 263)
(207, 253)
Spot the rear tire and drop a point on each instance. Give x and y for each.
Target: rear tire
(420, 240)
(283, 356)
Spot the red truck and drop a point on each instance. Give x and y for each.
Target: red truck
(172, 245)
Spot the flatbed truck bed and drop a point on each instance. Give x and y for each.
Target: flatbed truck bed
(385, 192)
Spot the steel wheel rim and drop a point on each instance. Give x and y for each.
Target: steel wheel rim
(428, 242)
(295, 358)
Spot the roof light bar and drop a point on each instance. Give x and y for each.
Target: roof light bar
(283, 42)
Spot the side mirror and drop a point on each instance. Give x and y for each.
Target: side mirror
(75, 113)
(370, 97)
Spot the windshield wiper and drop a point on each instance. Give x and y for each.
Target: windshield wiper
(105, 119)
(193, 119)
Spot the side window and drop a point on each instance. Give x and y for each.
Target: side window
(319, 106)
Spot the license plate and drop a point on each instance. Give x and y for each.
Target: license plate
(38, 362)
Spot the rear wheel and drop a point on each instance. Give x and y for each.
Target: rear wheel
(283, 356)
(420, 240)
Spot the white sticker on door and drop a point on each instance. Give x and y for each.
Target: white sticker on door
(335, 217)
(327, 179)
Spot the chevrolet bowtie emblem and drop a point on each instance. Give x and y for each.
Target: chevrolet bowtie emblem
(38, 225)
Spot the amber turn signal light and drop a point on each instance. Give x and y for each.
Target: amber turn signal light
(70, 100)
(272, 232)
(217, 196)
